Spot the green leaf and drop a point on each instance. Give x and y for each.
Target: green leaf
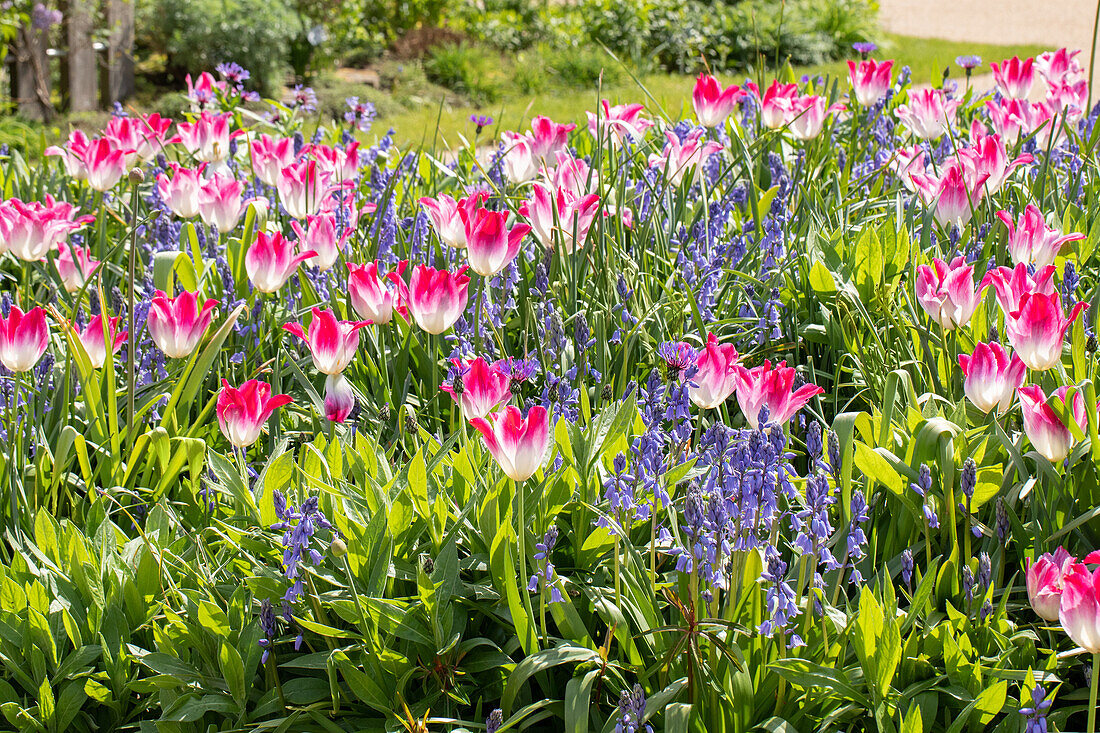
(540, 662)
(806, 674)
(232, 667)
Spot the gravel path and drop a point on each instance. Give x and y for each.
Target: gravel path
(1053, 23)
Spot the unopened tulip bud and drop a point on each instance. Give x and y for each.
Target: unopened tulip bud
(338, 548)
(137, 175)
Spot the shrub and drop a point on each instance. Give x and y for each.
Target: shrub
(199, 34)
(466, 69)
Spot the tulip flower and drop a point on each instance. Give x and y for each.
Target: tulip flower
(105, 164)
(715, 374)
(1032, 242)
(478, 387)
(269, 157)
(952, 197)
(449, 216)
(517, 444)
(23, 339)
(929, 114)
(31, 230)
(988, 159)
(124, 135)
(906, 162)
(337, 164)
(208, 137)
(302, 188)
(1079, 609)
(375, 297)
(1049, 436)
(1010, 285)
(74, 265)
(220, 203)
(548, 138)
(561, 212)
(339, 398)
(1046, 580)
(271, 261)
(808, 116)
(177, 325)
(1067, 101)
(618, 124)
(677, 160)
(946, 292)
(572, 174)
(332, 342)
(437, 297)
(183, 191)
(152, 136)
(764, 387)
(711, 102)
(992, 377)
(1037, 329)
(776, 104)
(1014, 77)
(320, 236)
(490, 245)
(1009, 118)
(95, 340)
(520, 164)
(72, 154)
(243, 411)
(1059, 66)
(869, 80)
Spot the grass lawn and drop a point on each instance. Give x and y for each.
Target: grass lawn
(668, 94)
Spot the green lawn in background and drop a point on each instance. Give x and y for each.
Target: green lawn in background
(667, 93)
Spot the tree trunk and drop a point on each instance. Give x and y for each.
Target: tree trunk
(83, 75)
(120, 54)
(32, 75)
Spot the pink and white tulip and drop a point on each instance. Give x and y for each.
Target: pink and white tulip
(72, 154)
(988, 159)
(490, 245)
(375, 297)
(482, 387)
(269, 156)
(992, 377)
(618, 124)
(1010, 284)
(869, 80)
(339, 398)
(1048, 434)
(1045, 582)
(23, 339)
(320, 236)
(105, 164)
(152, 136)
(952, 197)
(74, 265)
(208, 137)
(517, 444)
(1014, 77)
(947, 293)
(711, 102)
(271, 261)
(1059, 66)
(906, 162)
(548, 138)
(182, 192)
(776, 103)
(764, 386)
(302, 187)
(178, 324)
(31, 230)
(715, 374)
(520, 163)
(559, 217)
(928, 113)
(437, 297)
(220, 203)
(95, 340)
(332, 342)
(1079, 608)
(449, 216)
(1031, 241)
(243, 411)
(338, 164)
(1038, 328)
(808, 114)
(677, 160)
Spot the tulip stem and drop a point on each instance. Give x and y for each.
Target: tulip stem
(1092, 692)
(529, 631)
(131, 354)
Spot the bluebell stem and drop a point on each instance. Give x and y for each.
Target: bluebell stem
(269, 626)
(923, 487)
(494, 722)
(813, 527)
(856, 536)
(968, 584)
(1002, 524)
(619, 490)
(299, 527)
(631, 712)
(985, 573)
(779, 600)
(834, 455)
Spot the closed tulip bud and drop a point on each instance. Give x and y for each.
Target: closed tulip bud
(338, 548)
(136, 176)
